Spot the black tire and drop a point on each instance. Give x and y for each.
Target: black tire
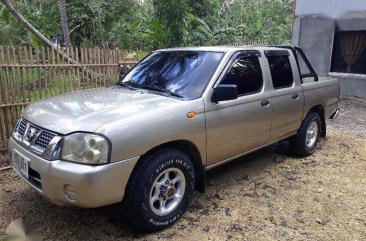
(138, 191)
(298, 143)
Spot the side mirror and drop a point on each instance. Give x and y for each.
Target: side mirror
(225, 92)
(122, 73)
(123, 69)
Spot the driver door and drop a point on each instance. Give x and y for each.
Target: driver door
(236, 126)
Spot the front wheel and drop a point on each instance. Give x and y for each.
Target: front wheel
(160, 189)
(306, 140)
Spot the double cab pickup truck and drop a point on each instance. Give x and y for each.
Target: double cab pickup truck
(147, 141)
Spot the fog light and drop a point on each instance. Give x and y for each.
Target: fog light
(71, 193)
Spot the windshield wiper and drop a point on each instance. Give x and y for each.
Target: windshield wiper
(126, 85)
(157, 88)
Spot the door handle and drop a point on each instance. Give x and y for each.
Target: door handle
(295, 96)
(265, 103)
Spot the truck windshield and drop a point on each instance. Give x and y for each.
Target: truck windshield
(178, 73)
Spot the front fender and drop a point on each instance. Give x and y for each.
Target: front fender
(135, 135)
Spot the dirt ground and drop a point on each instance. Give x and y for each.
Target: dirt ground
(4, 161)
(267, 195)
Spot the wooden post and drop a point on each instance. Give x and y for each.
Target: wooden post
(7, 120)
(2, 100)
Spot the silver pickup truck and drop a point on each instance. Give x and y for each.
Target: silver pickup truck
(148, 140)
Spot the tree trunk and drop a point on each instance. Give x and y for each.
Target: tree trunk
(225, 4)
(41, 37)
(64, 22)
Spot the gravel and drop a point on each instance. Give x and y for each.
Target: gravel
(4, 162)
(352, 116)
(267, 195)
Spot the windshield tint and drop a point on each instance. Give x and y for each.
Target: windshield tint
(183, 73)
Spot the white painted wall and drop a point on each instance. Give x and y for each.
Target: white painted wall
(331, 8)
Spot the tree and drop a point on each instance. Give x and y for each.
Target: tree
(64, 22)
(26, 24)
(151, 24)
(43, 39)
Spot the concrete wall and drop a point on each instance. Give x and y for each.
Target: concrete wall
(330, 8)
(316, 40)
(351, 84)
(314, 26)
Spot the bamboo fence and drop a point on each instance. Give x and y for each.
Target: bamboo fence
(29, 74)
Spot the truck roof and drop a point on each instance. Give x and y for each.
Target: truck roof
(227, 48)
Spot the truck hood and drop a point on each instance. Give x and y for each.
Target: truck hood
(89, 109)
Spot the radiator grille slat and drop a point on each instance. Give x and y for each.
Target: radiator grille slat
(43, 139)
(22, 126)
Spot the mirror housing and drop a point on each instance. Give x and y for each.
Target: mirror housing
(225, 92)
(122, 73)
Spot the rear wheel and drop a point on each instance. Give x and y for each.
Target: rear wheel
(160, 189)
(306, 140)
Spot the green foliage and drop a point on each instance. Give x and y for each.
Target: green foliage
(265, 20)
(10, 33)
(151, 24)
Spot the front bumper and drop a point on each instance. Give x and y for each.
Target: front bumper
(89, 186)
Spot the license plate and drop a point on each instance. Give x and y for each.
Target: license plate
(20, 163)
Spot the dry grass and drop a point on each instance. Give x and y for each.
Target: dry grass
(267, 195)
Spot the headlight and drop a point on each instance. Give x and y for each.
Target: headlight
(85, 148)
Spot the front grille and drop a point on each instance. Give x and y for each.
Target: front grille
(40, 139)
(44, 139)
(21, 127)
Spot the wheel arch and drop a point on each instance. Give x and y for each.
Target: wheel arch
(321, 111)
(192, 151)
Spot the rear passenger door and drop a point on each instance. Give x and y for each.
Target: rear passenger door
(286, 93)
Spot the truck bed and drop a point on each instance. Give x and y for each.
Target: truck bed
(325, 90)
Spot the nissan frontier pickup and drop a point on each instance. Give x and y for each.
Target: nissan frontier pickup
(148, 140)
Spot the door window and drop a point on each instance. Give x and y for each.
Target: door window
(281, 71)
(246, 73)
